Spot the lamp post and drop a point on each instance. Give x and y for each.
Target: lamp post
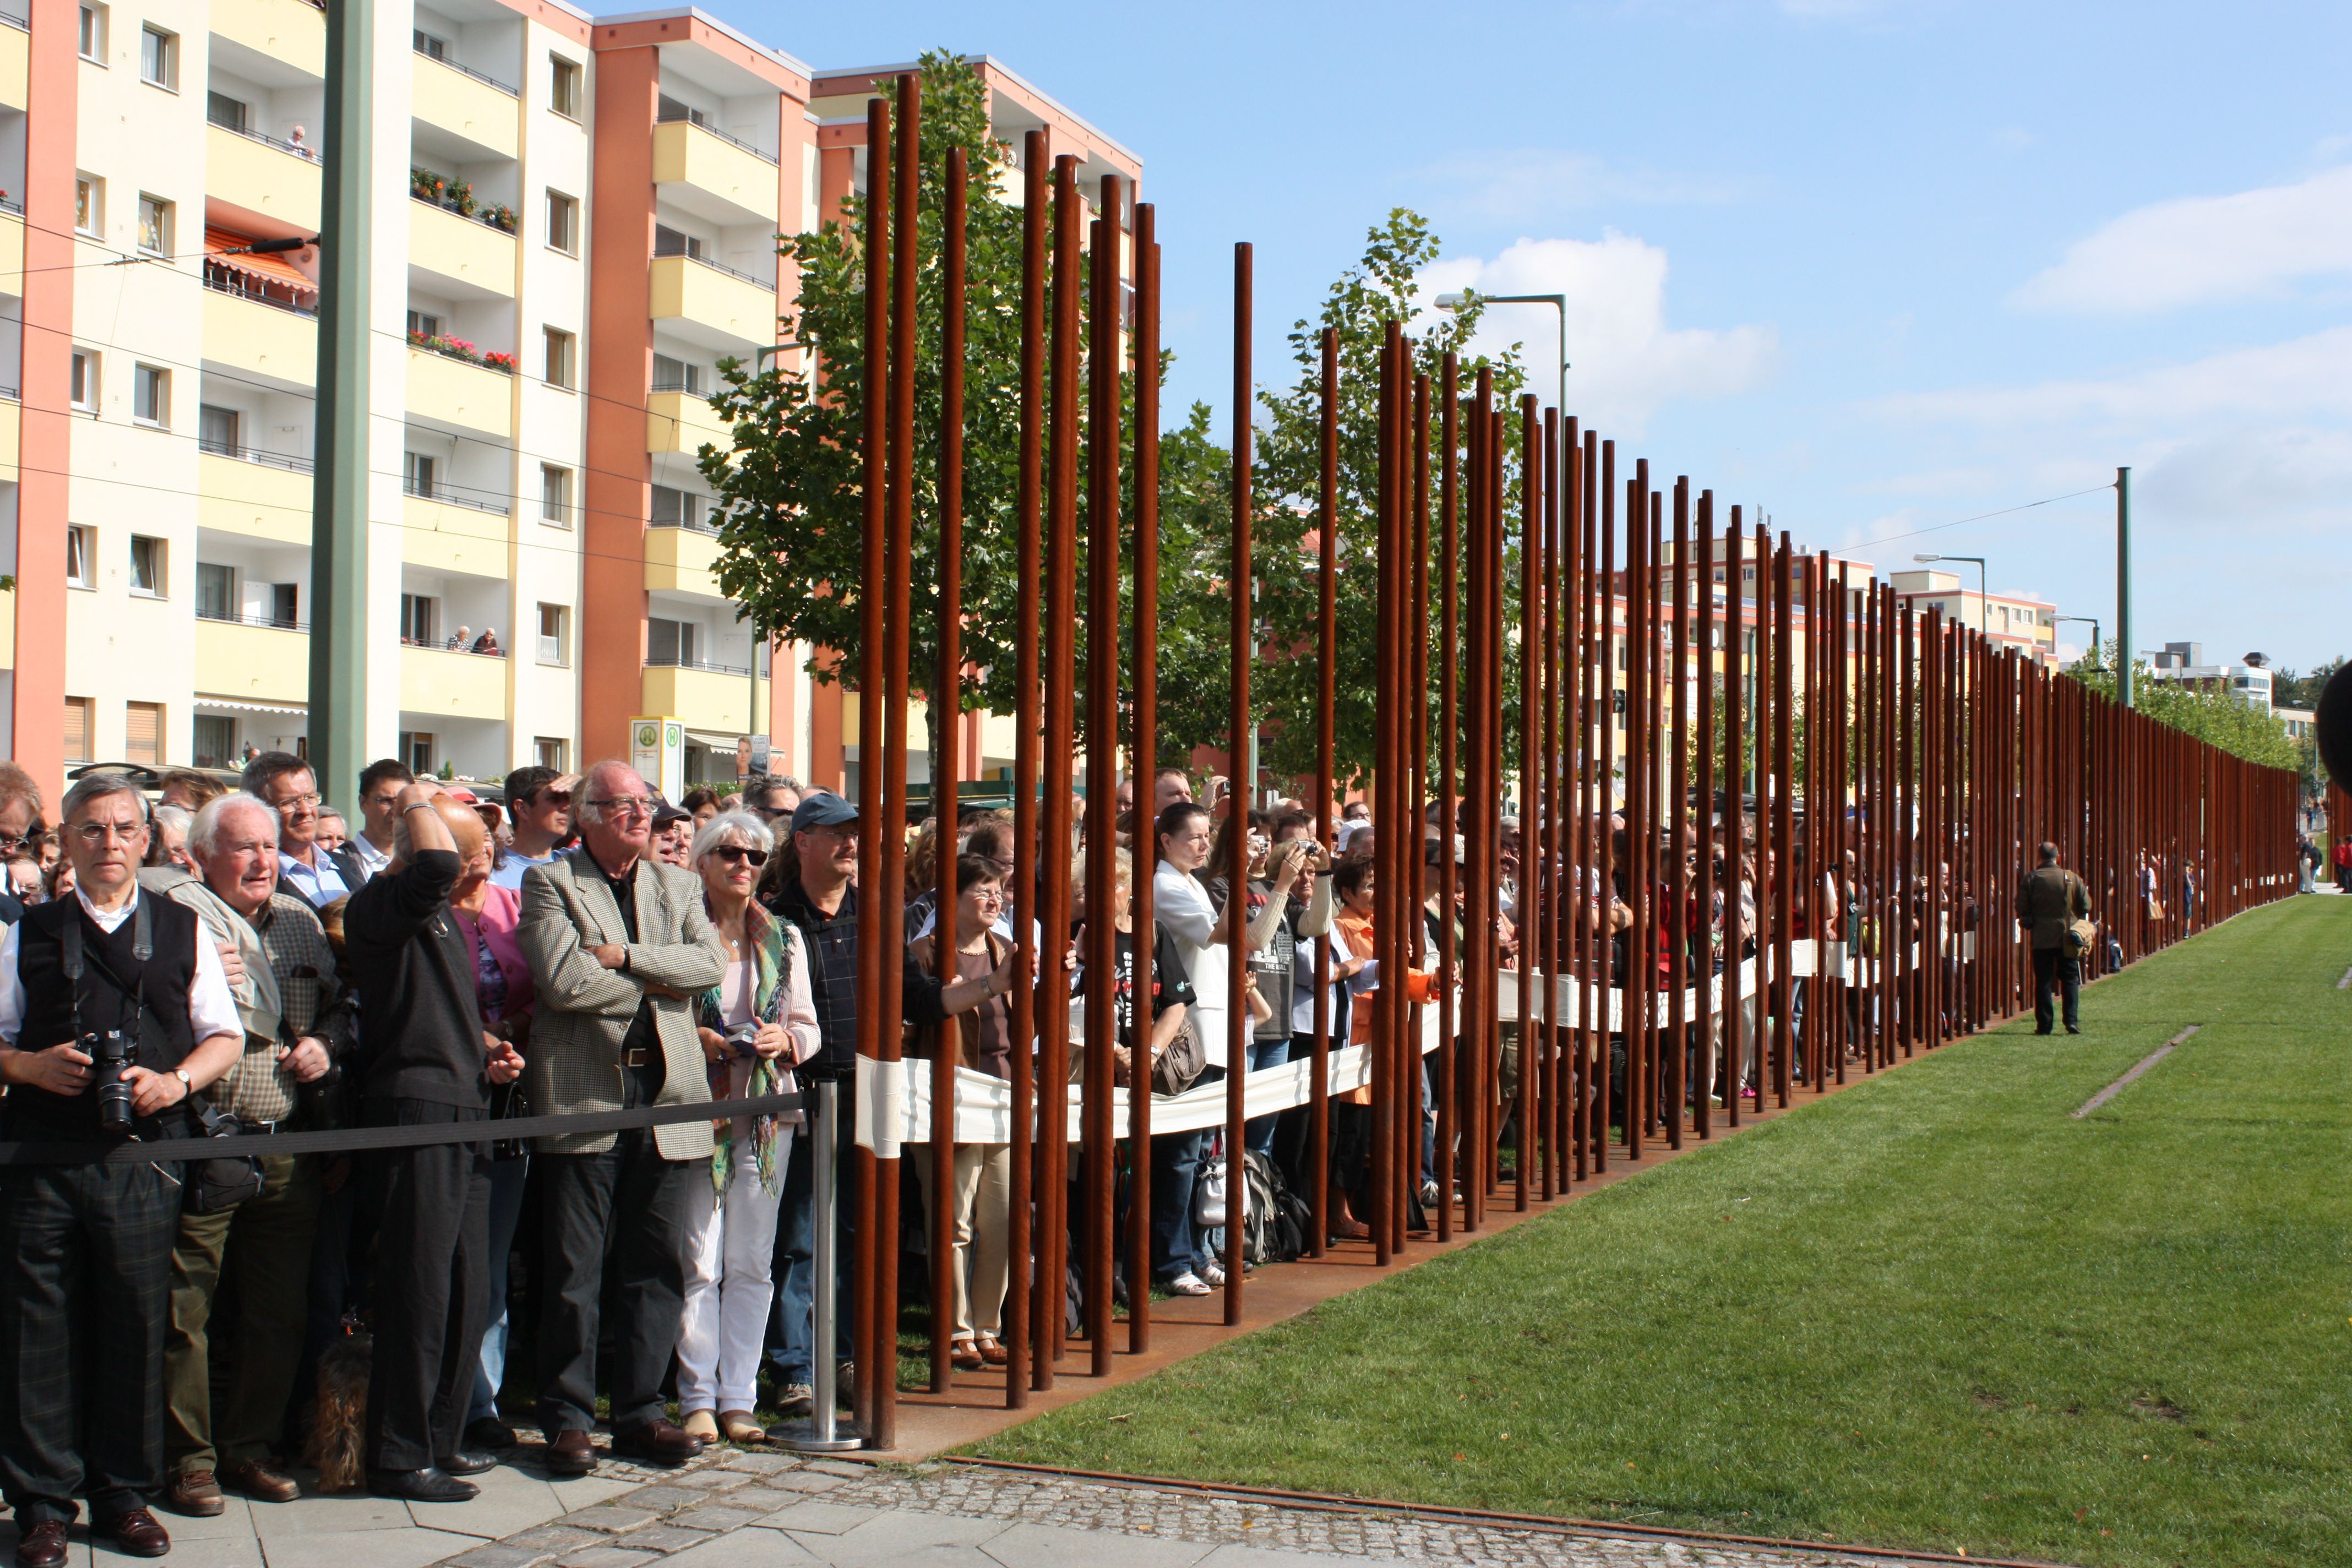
(1557, 301)
(2097, 654)
(1983, 608)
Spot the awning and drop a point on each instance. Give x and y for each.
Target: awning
(252, 707)
(270, 269)
(715, 742)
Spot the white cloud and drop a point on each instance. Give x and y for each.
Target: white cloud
(1627, 361)
(2201, 249)
(1520, 183)
(2302, 376)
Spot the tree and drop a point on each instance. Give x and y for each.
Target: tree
(2215, 714)
(1382, 286)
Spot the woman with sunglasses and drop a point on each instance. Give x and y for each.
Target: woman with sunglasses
(755, 1024)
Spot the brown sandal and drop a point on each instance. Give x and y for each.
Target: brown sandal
(993, 1353)
(965, 1356)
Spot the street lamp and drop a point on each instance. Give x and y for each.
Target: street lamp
(1983, 609)
(2097, 656)
(1557, 301)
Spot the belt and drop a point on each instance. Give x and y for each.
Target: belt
(639, 1057)
(247, 1127)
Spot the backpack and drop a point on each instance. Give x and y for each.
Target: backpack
(1257, 1209)
(1294, 1220)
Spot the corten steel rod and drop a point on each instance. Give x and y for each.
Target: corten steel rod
(1658, 770)
(1703, 1049)
(1326, 652)
(1592, 890)
(1607, 707)
(1640, 737)
(1413, 647)
(1764, 847)
(1784, 831)
(1243, 588)
(1103, 439)
(1142, 767)
(1906, 806)
(1572, 897)
(946, 688)
(1678, 681)
(1737, 1042)
(1020, 1238)
(1387, 770)
(1452, 1144)
(873, 928)
(1543, 832)
(1477, 933)
(1523, 1143)
(1490, 849)
(1060, 664)
(899, 572)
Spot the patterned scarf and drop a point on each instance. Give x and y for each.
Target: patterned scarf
(771, 941)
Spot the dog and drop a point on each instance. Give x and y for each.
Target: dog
(337, 1446)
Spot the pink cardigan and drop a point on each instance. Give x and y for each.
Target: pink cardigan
(501, 916)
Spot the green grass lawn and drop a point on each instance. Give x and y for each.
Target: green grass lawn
(1934, 1311)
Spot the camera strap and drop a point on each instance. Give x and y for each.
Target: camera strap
(142, 948)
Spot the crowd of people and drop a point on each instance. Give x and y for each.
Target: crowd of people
(581, 945)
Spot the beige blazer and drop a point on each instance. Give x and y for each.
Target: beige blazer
(585, 1009)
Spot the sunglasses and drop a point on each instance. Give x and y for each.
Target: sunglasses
(730, 853)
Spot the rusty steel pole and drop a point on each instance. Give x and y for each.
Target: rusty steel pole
(1709, 628)
(1326, 678)
(1387, 769)
(1452, 1144)
(1523, 1143)
(1103, 437)
(1607, 711)
(1142, 767)
(1678, 1022)
(1242, 588)
(1413, 646)
(1542, 889)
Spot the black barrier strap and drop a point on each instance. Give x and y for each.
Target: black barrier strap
(359, 1139)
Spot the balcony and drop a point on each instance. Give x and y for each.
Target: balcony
(454, 531)
(16, 62)
(292, 32)
(11, 251)
(12, 420)
(682, 561)
(263, 176)
(254, 494)
(245, 330)
(455, 394)
(480, 112)
(451, 684)
(467, 258)
(682, 422)
(253, 662)
(712, 306)
(714, 177)
(706, 699)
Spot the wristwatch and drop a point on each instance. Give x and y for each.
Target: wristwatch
(187, 1084)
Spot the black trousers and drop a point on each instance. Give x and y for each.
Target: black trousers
(2055, 968)
(432, 1291)
(85, 1290)
(635, 1201)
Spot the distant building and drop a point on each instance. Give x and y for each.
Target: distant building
(2008, 620)
(2185, 662)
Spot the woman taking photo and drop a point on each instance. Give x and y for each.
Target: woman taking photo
(755, 1026)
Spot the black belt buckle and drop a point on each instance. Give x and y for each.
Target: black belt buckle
(637, 1058)
(251, 1127)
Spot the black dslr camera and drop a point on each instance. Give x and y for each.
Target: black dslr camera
(110, 1054)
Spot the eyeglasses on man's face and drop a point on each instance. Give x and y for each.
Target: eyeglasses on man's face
(96, 833)
(625, 805)
(292, 802)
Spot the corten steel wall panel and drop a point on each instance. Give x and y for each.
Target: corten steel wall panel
(35, 740)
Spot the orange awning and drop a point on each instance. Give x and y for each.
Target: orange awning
(268, 269)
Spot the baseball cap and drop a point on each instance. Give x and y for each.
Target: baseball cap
(822, 808)
(665, 813)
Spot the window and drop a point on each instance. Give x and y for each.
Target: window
(82, 381)
(142, 732)
(670, 642)
(93, 34)
(416, 470)
(559, 357)
(154, 226)
(90, 206)
(81, 549)
(229, 114)
(555, 495)
(216, 592)
(680, 509)
(563, 87)
(668, 241)
(562, 223)
(416, 750)
(159, 57)
(285, 604)
(216, 430)
(432, 48)
(676, 375)
(424, 325)
(551, 752)
(77, 735)
(151, 396)
(553, 643)
(419, 614)
(146, 567)
(214, 740)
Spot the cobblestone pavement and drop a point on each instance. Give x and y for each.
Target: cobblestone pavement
(757, 1509)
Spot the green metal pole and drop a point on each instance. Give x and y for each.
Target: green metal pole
(339, 493)
(2123, 588)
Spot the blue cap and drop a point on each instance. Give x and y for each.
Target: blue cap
(822, 808)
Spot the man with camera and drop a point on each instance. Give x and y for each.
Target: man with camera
(298, 1022)
(114, 1009)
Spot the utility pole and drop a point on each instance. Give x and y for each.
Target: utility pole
(2123, 588)
(338, 491)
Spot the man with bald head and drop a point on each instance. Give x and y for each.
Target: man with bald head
(618, 944)
(426, 1062)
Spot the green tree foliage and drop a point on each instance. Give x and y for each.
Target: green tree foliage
(2215, 715)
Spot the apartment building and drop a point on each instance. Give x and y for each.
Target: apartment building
(2008, 620)
(573, 220)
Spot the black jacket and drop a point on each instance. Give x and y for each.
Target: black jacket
(420, 1028)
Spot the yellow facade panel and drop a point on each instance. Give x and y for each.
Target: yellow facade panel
(262, 179)
(245, 334)
(682, 422)
(12, 425)
(448, 100)
(452, 392)
(452, 685)
(254, 500)
(712, 306)
(252, 663)
(681, 560)
(445, 537)
(293, 32)
(703, 698)
(472, 255)
(725, 182)
(16, 66)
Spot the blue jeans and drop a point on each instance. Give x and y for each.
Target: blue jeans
(1178, 1246)
(506, 1179)
(1257, 1135)
(796, 1266)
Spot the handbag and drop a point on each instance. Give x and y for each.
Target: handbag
(1178, 1065)
(1209, 1193)
(217, 1184)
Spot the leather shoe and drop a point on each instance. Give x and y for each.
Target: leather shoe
(133, 1531)
(42, 1546)
(571, 1454)
(428, 1485)
(489, 1433)
(258, 1481)
(465, 1462)
(656, 1442)
(194, 1493)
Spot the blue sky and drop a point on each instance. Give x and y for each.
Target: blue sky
(1873, 265)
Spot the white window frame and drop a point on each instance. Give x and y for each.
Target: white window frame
(91, 37)
(560, 71)
(87, 364)
(90, 206)
(567, 209)
(555, 510)
(154, 379)
(81, 540)
(164, 216)
(560, 357)
(161, 574)
(560, 657)
(164, 52)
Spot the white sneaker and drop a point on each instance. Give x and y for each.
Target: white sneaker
(1214, 1275)
(1187, 1284)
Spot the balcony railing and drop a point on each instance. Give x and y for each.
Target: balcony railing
(707, 666)
(17, 14)
(448, 496)
(287, 461)
(464, 70)
(708, 526)
(452, 645)
(458, 348)
(223, 280)
(500, 219)
(302, 149)
(230, 618)
(664, 249)
(671, 384)
(9, 203)
(687, 117)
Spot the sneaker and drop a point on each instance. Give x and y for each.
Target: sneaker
(1187, 1284)
(1428, 1194)
(797, 1402)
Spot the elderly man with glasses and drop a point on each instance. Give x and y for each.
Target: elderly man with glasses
(287, 783)
(620, 946)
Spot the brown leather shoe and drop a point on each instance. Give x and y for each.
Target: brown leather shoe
(656, 1442)
(42, 1546)
(572, 1454)
(258, 1481)
(133, 1531)
(194, 1493)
